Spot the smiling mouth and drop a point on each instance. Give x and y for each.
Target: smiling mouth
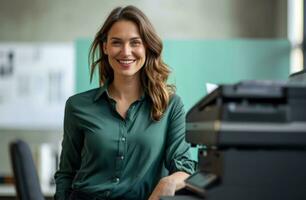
(126, 62)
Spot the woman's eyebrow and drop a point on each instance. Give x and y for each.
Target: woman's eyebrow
(133, 38)
(115, 38)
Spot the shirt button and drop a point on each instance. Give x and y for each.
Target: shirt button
(121, 157)
(123, 139)
(116, 180)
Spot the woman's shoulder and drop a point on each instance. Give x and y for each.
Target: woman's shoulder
(175, 102)
(175, 107)
(175, 99)
(82, 97)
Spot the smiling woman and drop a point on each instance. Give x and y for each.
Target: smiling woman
(119, 138)
(140, 32)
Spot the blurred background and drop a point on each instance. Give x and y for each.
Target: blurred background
(44, 48)
(65, 21)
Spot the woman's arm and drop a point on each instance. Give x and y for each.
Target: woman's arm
(70, 156)
(177, 154)
(168, 185)
(179, 179)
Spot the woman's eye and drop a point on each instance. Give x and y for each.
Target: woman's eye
(135, 43)
(116, 43)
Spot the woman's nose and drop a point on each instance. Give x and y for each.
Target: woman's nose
(126, 49)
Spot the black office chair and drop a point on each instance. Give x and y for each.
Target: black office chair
(26, 179)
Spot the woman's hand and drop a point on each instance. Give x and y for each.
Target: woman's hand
(168, 185)
(165, 187)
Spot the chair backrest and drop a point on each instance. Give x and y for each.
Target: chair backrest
(26, 179)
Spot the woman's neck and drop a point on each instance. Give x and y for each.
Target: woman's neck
(126, 88)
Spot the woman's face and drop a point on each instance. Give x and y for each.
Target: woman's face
(125, 49)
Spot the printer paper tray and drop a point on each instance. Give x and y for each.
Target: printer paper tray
(218, 133)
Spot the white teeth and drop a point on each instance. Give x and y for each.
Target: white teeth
(126, 61)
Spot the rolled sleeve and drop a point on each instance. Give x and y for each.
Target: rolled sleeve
(70, 158)
(178, 156)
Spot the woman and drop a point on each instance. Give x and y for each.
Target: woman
(120, 138)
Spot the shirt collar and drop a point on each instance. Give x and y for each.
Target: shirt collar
(101, 90)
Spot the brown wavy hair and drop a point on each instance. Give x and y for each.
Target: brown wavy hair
(154, 73)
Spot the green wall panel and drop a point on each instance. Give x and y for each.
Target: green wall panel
(194, 63)
(82, 66)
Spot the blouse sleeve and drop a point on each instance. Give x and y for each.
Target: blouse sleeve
(178, 156)
(70, 158)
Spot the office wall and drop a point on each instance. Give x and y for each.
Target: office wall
(57, 20)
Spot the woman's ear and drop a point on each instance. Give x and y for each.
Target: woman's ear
(104, 48)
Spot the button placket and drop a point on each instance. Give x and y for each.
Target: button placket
(122, 140)
(121, 148)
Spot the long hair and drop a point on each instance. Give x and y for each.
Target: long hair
(154, 73)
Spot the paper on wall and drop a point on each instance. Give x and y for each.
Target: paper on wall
(35, 81)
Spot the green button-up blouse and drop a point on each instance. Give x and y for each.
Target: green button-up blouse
(110, 157)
